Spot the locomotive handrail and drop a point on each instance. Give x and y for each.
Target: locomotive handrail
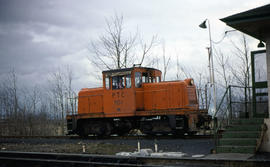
(73, 104)
(160, 90)
(91, 95)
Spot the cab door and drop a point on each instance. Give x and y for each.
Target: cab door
(120, 97)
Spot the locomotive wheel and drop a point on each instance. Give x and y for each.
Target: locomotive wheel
(122, 127)
(102, 129)
(107, 129)
(82, 129)
(146, 128)
(121, 133)
(191, 133)
(179, 133)
(82, 133)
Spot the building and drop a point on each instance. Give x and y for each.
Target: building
(256, 23)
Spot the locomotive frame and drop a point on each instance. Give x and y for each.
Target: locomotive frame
(135, 98)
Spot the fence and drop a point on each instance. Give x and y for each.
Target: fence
(235, 103)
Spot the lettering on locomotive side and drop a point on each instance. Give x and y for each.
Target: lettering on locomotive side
(118, 98)
(118, 102)
(118, 95)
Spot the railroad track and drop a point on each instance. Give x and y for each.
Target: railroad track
(129, 137)
(8, 158)
(59, 159)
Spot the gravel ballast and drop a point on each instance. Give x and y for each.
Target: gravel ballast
(106, 146)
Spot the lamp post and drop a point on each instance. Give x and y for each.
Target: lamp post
(211, 64)
(261, 45)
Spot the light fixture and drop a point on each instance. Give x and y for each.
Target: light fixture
(229, 31)
(261, 45)
(203, 24)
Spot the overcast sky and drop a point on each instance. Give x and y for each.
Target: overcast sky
(38, 36)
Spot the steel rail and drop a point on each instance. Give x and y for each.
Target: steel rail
(11, 158)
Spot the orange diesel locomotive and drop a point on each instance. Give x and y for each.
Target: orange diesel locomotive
(135, 98)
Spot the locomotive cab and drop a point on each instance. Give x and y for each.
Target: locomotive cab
(123, 91)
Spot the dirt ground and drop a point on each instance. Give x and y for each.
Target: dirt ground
(106, 146)
(89, 148)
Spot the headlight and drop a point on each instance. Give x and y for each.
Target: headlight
(191, 82)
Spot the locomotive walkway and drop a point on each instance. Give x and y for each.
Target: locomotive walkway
(8, 158)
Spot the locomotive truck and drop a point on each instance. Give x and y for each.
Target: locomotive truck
(135, 98)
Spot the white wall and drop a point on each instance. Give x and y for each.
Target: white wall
(268, 68)
(265, 147)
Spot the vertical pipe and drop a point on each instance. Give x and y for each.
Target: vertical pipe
(230, 109)
(215, 133)
(67, 111)
(268, 69)
(253, 85)
(209, 64)
(83, 148)
(156, 146)
(246, 113)
(206, 100)
(139, 145)
(212, 70)
(198, 97)
(76, 107)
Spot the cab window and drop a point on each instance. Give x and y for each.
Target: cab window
(121, 83)
(145, 78)
(107, 82)
(153, 79)
(118, 82)
(128, 81)
(158, 79)
(138, 80)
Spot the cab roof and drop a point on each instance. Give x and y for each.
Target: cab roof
(127, 70)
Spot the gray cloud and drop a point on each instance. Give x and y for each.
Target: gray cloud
(38, 36)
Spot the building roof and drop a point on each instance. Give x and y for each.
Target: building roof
(254, 22)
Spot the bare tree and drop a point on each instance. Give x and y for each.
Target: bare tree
(166, 61)
(57, 88)
(241, 70)
(242, 73)
(177, 68)
(61, 92)
(234, 69)
(33, 109)
(29, 110)
(222, 69)
(116, 49)
(10, 100)
(71, 96)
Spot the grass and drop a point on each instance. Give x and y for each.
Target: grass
(90, 148)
